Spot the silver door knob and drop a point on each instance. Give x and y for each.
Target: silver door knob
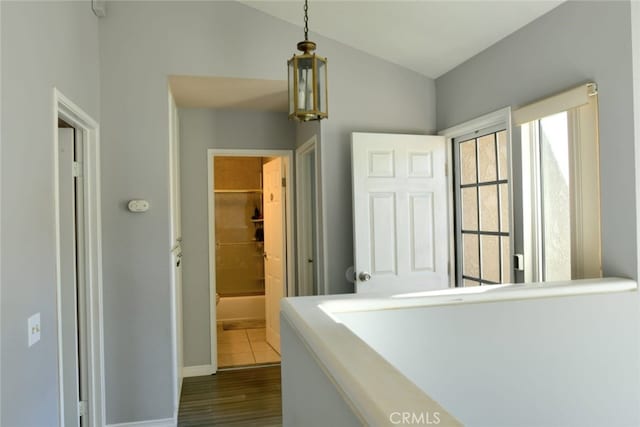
(364, 276)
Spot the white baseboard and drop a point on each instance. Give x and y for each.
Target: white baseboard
(167, 422)
(197, 371)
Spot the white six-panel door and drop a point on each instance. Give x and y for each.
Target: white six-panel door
(274, 247)
(401, 238)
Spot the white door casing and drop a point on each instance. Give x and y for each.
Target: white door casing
(176, 251)
(88, 261)
(400, 209)
(308, 282)
(274, 247)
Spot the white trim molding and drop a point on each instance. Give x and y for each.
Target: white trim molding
(64, 108)
(166, 422)
(198, 371)
(175, 255)
(495, 118)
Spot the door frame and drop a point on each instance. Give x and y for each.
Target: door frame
(287, 156)
(177, 344)
(89, 129)
(498, 117)
(302, 199)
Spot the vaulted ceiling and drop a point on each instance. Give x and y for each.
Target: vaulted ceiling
(429, 37)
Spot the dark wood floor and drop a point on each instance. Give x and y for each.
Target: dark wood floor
(232, 398)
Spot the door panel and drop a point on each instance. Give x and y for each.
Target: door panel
(400, 210)
(68, 277)
(383, 233)
(274, 247)
(422, 232)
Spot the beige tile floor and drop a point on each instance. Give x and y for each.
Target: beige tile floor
(242, 347)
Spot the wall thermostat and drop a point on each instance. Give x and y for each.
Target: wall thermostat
(138, 205)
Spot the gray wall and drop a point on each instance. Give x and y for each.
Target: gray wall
(576, 42)
(43, 45)
(306, 130)
(563, 361)
(141, 43)
(201, 129)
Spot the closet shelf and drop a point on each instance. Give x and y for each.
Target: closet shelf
(250, 242)
(243, 190)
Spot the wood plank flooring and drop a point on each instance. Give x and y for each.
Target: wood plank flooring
(247, 397)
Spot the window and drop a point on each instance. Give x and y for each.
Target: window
(561, 196)
(483, 249)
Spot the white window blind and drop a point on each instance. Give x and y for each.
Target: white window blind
(564, 101)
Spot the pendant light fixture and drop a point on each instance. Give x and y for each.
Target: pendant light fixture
(307, 80)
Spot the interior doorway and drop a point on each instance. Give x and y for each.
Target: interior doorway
(78, 241)
(250, 257)
(308, 231)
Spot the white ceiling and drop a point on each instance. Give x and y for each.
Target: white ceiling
(430, 37)
(229, 93)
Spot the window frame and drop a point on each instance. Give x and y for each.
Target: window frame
(501, 117)
(580, 158)
(497, 182)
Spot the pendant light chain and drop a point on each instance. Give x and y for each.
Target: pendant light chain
(306, 21)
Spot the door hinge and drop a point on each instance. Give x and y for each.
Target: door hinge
(83, 408)
(76, 169)
(284, 182)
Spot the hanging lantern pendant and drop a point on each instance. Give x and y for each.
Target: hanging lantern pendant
(307, 81)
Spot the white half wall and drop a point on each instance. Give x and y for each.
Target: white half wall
(565, 361)
(321, 404)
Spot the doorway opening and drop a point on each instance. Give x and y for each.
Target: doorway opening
(79, 281)
(250, 240)
(308, 231)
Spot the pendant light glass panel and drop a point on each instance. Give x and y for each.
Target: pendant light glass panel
(292, 106)
(321, 90)
(305, 84)
(307, 87)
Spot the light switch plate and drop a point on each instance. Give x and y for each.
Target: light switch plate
(34, 329)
